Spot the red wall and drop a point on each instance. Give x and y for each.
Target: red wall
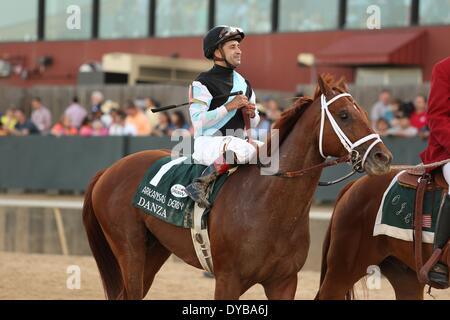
(269, 61)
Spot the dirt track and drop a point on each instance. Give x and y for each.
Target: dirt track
(26, 276)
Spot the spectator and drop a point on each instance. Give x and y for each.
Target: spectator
(119, 127)
(23, 127)
(41, 116)
(178, 121)
(424, 133)
(107, 108)
(99, 129)
(3, 132)
(8, 120)
(407, 108)
(263, 127)
(273, 110)
(163, 127)
(403, 129)
(137, 118)
(382, 127)
(86, 127)
(380, 108)
(393, 113)
(150, 104)
(141, 103)
(64, 127)
(419, 116)
(76, 113)
(96, 104)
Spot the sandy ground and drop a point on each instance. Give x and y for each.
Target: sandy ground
(36, 276)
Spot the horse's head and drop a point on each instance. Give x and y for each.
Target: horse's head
(345, 129)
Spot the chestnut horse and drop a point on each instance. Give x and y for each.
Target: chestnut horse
(258, 226)
(350, 248)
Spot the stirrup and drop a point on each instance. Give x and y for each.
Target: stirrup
(439, 275)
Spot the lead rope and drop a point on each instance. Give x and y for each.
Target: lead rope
(420, 166)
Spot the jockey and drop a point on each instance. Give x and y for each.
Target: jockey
(438, 150)
(219, 123)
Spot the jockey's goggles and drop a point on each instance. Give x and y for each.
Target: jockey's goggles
(229, 32)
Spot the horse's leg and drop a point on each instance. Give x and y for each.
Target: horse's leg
(339, 278)
(228, 287)
(281, 289)
(336, 285)
(403, 280)
(130, 254)
(132, 266)
(156, 256)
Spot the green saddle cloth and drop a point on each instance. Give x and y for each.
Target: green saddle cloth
(396, 214)
(162, 193)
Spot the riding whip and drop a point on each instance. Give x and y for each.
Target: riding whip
(173, 106)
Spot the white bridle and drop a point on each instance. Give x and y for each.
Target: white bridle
(341, 135)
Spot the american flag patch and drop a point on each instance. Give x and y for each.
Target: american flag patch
(426, 221)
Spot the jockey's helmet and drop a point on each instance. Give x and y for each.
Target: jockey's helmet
(219, 35)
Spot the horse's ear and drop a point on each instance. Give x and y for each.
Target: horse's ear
(342, 84)
(324, 87)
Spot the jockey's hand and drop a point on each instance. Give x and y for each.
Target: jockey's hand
(237, 103)
(250, 110)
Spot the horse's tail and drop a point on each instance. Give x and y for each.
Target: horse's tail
(106, 261)
(326, 247)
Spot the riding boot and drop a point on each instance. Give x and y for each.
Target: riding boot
(198, 189)
(439, 273)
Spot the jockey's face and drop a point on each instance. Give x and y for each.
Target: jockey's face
(233, 53)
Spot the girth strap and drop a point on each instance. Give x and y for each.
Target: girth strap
(418, 214)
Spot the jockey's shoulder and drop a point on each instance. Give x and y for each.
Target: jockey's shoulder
(201, 76)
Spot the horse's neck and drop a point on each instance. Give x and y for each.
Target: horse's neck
(285, 202)
(300, 150)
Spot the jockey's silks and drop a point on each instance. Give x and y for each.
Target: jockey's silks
(209, 116)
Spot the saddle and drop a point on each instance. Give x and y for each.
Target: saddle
(411, 179)
(422, 182)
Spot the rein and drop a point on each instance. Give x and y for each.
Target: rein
(328, 163)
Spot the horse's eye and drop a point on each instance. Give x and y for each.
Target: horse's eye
(343, 115)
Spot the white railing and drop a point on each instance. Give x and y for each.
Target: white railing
(56, 206)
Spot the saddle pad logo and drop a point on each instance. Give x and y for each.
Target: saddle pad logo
(178, 191)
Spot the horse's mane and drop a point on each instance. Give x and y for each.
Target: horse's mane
(289, 117)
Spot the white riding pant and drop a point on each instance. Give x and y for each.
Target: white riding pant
(446, 173)
(207, 149)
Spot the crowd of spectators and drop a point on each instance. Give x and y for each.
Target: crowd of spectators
(389, 117)
(106, 118)
(102, 118)
(393, 117)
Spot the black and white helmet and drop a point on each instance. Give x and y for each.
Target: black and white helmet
(219, 35)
